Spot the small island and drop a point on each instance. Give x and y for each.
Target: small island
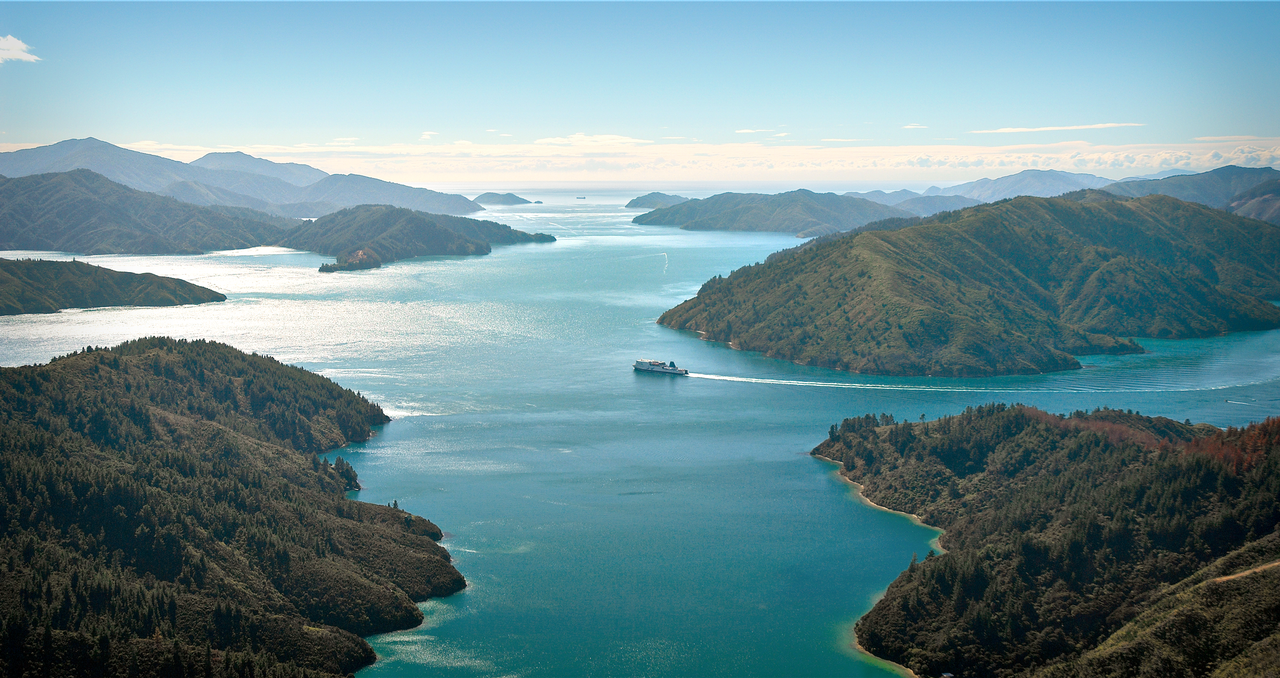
(41, 286)
(499, 199)
(655, 200)
(170, 503)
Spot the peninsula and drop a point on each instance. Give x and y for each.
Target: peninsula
(1015, 287)
(168, 510)
(38, 286)
(1102, 543)
(370, 235)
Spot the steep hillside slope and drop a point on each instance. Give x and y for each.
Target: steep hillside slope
(35, 286)
(164, 511)
(1014, 287)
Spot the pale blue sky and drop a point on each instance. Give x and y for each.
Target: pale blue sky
(652, 87)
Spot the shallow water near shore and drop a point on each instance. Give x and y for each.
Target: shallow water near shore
(611, 522)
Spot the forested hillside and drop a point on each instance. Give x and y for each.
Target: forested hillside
(80, 211)
(38, 286)
(369, 235)
(1014, 287)
(804, 213)
(1089, 545)
(165, 513)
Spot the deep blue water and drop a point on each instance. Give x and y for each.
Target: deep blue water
(610, 522)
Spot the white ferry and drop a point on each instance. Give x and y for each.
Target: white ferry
(659, 366)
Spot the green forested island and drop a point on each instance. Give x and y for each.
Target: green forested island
(167, 513)
(655, 200)
(370, 235)
(499, 199)
(80, 211)
(38, 286)
(1096, 544)
(802, 212)
(1014, 287)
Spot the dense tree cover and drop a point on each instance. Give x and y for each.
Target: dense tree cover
(37, 286)
(164, 512)
(802, 212)
(80, 211)
(1214, 188)
(368, 235)
(1260, 202)
(1062, 530)
(1014, 287)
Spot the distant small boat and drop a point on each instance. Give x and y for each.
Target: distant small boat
(660, 367)
(582, 197)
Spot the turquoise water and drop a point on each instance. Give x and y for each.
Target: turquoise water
(609, 522)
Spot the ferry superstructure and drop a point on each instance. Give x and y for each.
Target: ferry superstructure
(660, 367)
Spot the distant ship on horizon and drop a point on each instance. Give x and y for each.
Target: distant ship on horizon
(660, 367)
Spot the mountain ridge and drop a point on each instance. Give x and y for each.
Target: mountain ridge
(801, 212)
(1015, 287)
(41, 286)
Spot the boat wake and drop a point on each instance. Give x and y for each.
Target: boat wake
(965, 389)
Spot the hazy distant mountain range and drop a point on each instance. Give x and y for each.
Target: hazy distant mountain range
(231, 179)
(1215, 188)
(82, 211)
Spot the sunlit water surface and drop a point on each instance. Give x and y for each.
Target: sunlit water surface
(609, 522)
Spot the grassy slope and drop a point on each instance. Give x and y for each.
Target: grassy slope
(1013, 287)
(1260, 202)
(35, 286)
(163, 500)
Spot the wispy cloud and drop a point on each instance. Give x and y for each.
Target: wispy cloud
(1243, 138)
(13, 49)
(1063, 128)
(615, 158)
(845, 140)
(782, 134)
(344, 141)
(915, 125)
(581, 139)
(426, 136)
(752, 131)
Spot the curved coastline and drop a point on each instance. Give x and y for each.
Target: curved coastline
(934, 543)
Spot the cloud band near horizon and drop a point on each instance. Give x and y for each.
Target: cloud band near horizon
(620, 159)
